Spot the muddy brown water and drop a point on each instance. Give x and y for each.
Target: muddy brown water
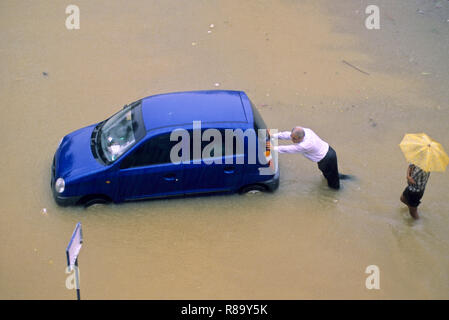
(303, 241)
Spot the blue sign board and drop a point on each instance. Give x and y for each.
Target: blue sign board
(74, 247)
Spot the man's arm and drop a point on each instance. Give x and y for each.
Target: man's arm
(285, 135)
(410, 180)
(292, 148)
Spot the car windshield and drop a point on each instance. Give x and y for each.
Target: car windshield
(118, 133)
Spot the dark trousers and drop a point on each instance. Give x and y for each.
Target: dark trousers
(329, 167)
(413, 198)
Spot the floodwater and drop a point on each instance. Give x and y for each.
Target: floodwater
(303, 241)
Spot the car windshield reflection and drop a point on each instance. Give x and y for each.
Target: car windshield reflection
(118, 134)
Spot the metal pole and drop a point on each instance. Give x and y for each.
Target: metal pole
(77, 281)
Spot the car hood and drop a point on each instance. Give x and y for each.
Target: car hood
(74, 157)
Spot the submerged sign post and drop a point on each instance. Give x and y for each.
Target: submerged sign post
(72, 251)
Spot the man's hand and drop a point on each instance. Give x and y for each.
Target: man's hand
(410, 180)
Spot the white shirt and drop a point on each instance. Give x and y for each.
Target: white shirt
(312, 147)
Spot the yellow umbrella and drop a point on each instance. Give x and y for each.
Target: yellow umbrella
(423, 151)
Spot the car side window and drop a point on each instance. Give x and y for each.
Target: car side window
(219, 144)
(154, 151)
(236, 140)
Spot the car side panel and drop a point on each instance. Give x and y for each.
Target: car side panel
(151, 181)
(213, 177)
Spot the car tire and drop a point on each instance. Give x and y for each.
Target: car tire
(253, 189)
(94, 200)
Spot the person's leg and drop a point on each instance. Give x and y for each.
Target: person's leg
(413, 212)
(329, 167)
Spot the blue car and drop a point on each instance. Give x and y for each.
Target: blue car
(166, 145)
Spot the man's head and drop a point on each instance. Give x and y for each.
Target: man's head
(297, 134)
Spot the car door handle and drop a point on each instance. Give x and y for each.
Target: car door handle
(229, 170)
(170, 177)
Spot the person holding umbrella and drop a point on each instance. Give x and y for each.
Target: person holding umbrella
(424, 155)
(417, 180)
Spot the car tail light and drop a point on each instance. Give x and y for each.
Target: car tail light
(268, 147)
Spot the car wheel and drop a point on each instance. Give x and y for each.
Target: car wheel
(95, 202)
(253, 189)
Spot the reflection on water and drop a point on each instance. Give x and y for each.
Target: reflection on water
(303, 241)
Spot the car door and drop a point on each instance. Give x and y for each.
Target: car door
(211, 173)
(148, 172)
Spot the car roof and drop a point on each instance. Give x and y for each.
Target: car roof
(182, 108)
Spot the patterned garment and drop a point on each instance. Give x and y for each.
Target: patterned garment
(420, 178)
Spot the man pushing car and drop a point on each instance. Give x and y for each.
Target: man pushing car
(308, 143)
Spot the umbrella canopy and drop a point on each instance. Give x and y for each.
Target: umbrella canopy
(424, 152)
